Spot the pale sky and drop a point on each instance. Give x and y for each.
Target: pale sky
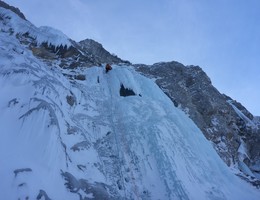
(221, 36)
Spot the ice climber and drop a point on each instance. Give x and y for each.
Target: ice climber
(108, 67)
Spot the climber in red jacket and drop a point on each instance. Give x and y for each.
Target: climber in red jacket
(108, 67)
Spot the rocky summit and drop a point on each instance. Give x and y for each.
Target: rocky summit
(71, 130)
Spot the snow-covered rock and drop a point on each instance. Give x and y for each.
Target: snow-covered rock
(44, 34)
(49, 43)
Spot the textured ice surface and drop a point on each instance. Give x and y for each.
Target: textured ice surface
(103, 145)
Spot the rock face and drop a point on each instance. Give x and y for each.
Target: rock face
(85, 53)
(96, 50)
(223, 121)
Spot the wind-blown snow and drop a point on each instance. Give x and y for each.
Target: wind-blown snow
(42, 34)
(72, 139)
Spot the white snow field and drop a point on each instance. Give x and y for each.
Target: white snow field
(65, 139)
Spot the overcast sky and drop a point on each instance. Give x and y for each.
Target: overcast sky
(221, 36)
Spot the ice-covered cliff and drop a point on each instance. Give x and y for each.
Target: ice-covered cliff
(64, 138)
(80, 133)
